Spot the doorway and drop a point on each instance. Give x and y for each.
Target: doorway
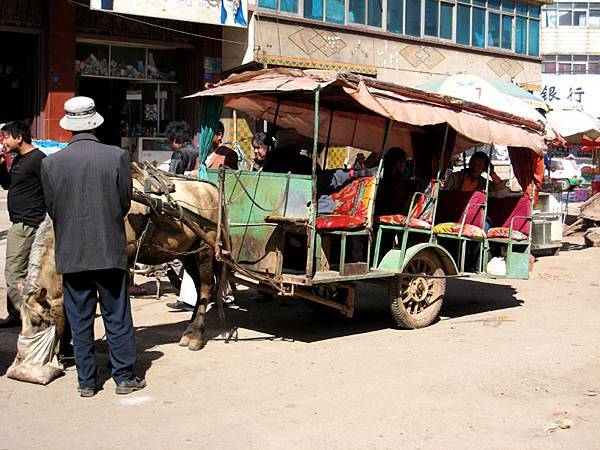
(19, 77)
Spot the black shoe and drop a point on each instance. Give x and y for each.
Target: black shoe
(86, 392)
(180, 306)
(10, 322)
(129, 386)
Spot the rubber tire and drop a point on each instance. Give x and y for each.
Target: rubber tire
(564, 185)
(426, 317)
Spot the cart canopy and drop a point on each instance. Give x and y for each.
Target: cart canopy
(354, 110)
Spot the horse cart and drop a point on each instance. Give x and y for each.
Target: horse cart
(278, 242)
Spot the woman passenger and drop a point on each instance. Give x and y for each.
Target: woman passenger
(470, 179)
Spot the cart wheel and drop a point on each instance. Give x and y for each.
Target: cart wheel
(415, 301)
(564, 185)
(334, 293)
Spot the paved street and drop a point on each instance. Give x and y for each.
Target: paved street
(507, 362)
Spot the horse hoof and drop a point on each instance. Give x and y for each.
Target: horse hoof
(195, 345)
(184, 341)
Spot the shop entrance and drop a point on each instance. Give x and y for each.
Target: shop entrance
(109, 96)
(19, 77)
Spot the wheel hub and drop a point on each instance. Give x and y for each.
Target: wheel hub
(418, 289)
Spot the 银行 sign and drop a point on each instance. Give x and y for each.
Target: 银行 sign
(217, 12)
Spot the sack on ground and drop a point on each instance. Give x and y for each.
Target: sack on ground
(36, 360)
(497, 266)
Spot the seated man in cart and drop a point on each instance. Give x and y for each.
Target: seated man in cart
(395, 191)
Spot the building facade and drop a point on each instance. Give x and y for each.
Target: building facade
(570, 44)
(406, 41)
(136, 68)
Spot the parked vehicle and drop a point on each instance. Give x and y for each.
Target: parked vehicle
(566, 172)
(282, 245)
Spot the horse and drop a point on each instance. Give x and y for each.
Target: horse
(153, 238)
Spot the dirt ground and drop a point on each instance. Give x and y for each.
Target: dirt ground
(506, 364)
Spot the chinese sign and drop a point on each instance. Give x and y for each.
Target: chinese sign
(583, 89)
(218, 12)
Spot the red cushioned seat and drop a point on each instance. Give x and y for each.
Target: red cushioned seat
(504, 233)
(453, 229)
(353, 202)
(400, 220)
(340, 222)
(421, 215)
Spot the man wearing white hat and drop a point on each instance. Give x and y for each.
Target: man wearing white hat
(88, 189)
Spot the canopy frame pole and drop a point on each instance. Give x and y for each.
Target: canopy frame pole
(438, 181)
(484, 245)
(312, 229)
(326, 149)
(378, 176)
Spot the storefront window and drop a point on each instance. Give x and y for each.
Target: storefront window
(92, 59)
(413, 18)
(395, 16)
(161, 65)
(356, 11)
(478, 28)
(374, 13)
(128, 62)
(493, 30)
(313, 9)
(125, 62)
(335, 11)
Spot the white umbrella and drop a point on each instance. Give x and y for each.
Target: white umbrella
(572, 123)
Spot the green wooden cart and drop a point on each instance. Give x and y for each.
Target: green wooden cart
(281, 245)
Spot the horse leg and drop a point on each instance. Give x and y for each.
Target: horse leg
(199, 267)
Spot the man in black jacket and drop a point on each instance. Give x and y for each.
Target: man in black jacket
(185, 153)
(26, 210)
(88, 189)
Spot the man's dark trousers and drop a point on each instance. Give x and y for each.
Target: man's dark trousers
(81, 291)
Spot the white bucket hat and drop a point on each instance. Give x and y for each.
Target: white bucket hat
(81, 115)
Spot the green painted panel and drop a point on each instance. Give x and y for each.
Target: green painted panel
(258, 247)
(251, 196)
(517, 265)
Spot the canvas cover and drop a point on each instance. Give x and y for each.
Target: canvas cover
(354, 110)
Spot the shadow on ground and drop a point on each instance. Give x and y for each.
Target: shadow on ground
(289, 319)
(467, 297)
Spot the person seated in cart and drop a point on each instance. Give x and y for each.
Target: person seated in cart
(395, 191)
(471, 179)
(286, 154)
(220, 154)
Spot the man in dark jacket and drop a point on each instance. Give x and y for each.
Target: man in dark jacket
(26, 209)
(185, 153)
(88, 188)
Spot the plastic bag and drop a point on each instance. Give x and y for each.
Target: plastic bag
(497, 266)
(36, 360)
